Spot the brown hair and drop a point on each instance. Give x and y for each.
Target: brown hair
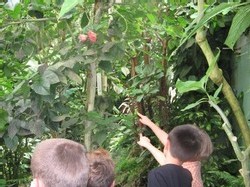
(60, 163)
(207, 146)
(101, 169)
(185, 142)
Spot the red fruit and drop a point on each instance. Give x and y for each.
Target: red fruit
(92, 36)
(82, 37)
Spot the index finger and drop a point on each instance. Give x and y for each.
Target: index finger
(140, 134)
(140, 115)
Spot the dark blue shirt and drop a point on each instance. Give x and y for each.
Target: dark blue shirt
(169, 175)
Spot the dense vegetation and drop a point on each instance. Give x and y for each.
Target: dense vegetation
(81, 69)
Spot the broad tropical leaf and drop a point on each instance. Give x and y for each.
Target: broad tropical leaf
(223, 7)
(187, 86)
(241, 22)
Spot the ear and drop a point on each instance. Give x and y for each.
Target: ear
(113, 184)
(36, 183)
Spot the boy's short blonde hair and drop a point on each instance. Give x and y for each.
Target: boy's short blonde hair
(60, 163)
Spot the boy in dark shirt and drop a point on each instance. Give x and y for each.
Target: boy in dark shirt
(183, 144)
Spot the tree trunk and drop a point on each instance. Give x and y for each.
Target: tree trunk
(217, 77)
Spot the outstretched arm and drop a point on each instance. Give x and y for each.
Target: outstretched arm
(158, 155)
(161, 134)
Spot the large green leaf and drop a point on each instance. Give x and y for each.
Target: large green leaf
(241, 22)
(187, 86)
(223, 7)
(67, 6)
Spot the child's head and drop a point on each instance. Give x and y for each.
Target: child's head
(101, 172)
(185, 142)
(60, 163)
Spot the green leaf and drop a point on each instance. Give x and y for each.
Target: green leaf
(73, 76)
(192, 105)
(139, 98)
(50, 76)
(67, 6)
(41, 87)
(107, 46)
(151, 18)
(125, 71)
(68, 123)
(13, 128)
(218, 91)
(241, 22)
(211, 66)
(2, 182)
(59, 118)
(222, 7)
(3, 119)
(37, 127)
(187, 86)
(62, 77)
(89, 52)
(105, 65)
(11, 143)
(100, 137)
(84, 20)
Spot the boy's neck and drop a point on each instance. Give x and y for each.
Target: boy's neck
(173, 160)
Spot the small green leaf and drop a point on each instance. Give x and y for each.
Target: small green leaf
(107, 46)
(50, 76)
(84, 20)
(212, 65)
(192, 105)
(125, 71)
(37, 127)
(67, 6)
(3, 119)
(59, 118)
(73, 76)
(151, 18)
(13, 128)
(105, 65)
(89, 52)
(41, 86)
(218, 91)
(11, 143)
(68, 123)
(100, 137)
(139, 98)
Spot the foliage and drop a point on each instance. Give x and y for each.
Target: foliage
(44, 69)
